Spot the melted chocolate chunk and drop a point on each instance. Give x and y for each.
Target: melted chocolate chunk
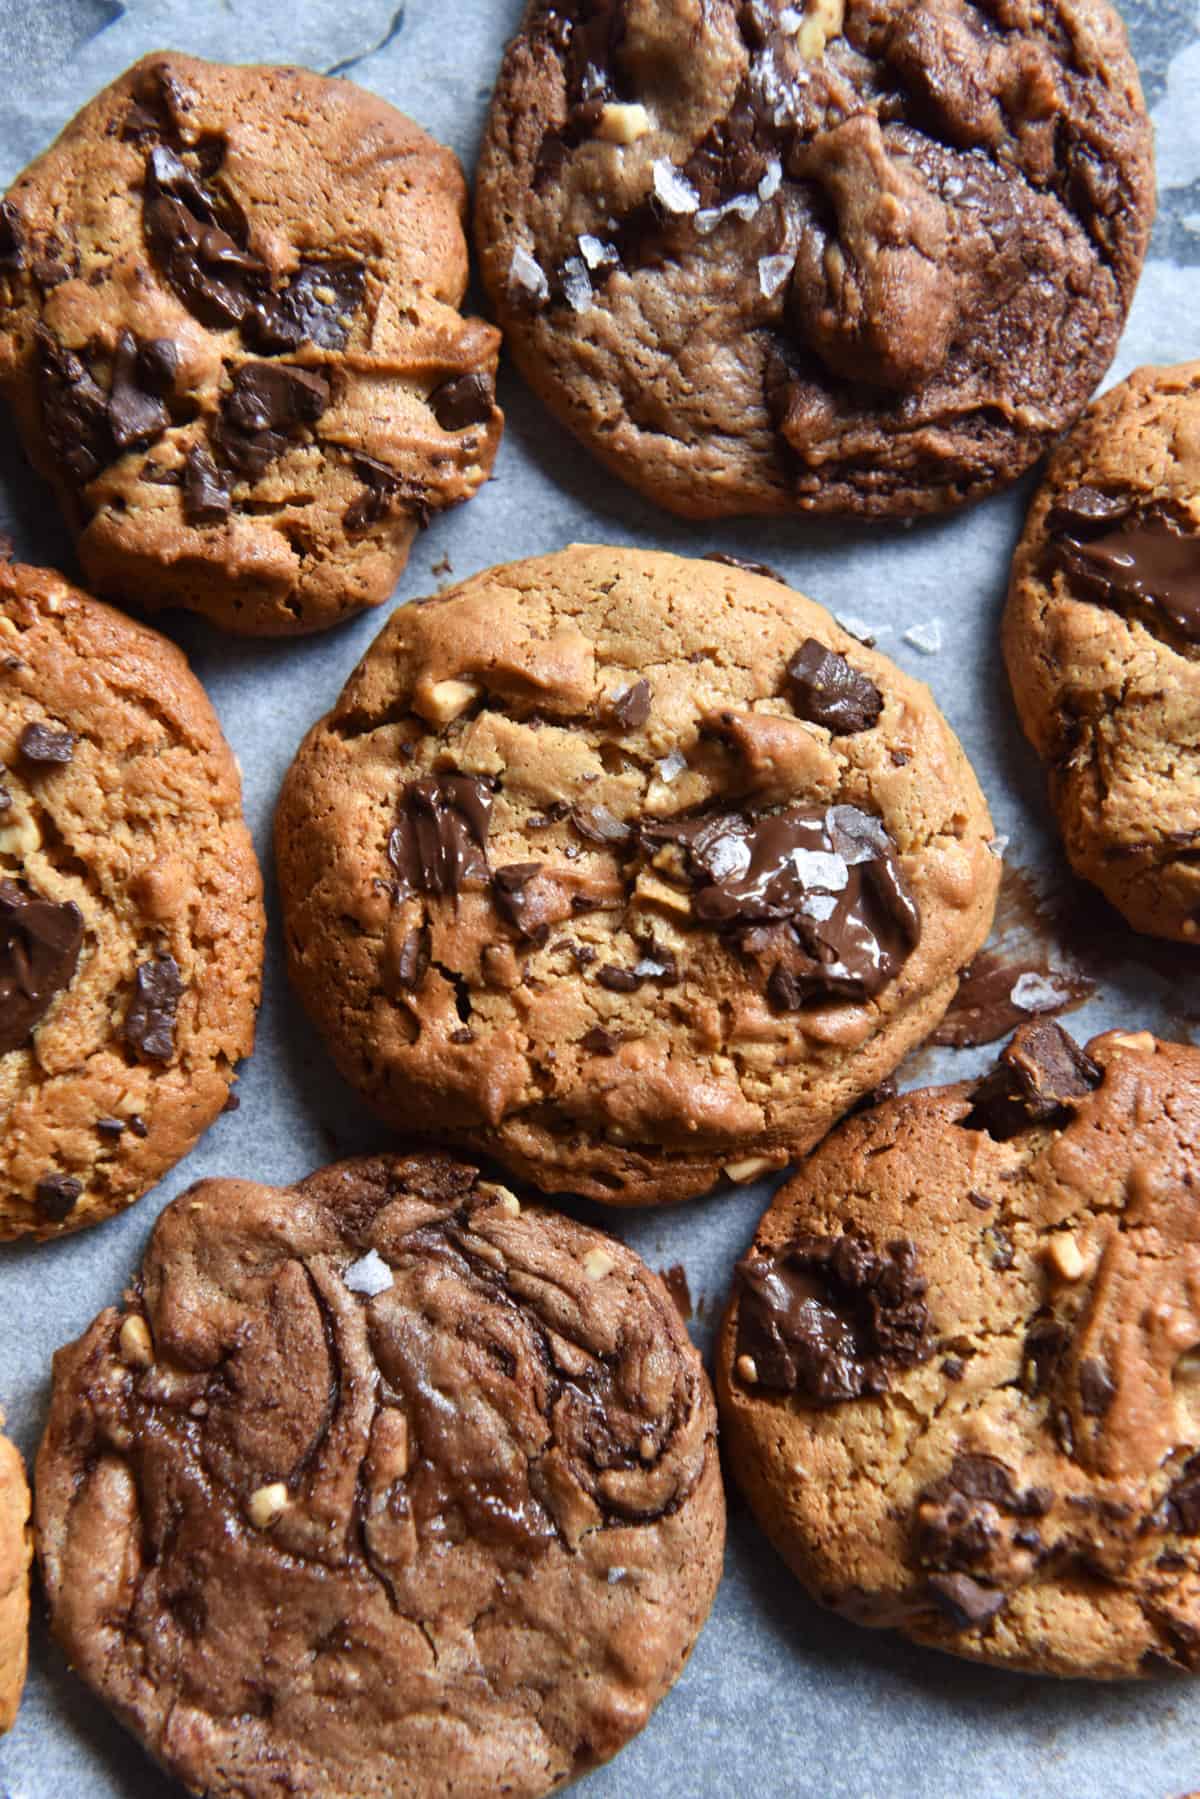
(42, 743)
(315, 307)
(150, 1020)
(214, 276)
(440, 843)
(631, 709)
(1115, 552)
(12, 238)
(465, 400)
(55, 1196)
(747, 568)
(40, 941)
(270, 403)
(1039, 1079)
(412, 961)
(830, 1317)
(814, 896)
(963, 1601)
(508, 891)
(825, 690)
(140, 377)
(206, 498)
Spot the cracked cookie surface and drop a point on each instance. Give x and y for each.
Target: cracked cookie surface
(229, 332)
(849, 256)
(1102, 641)
(131, 919)
(629, 870)
(959, 1376)
(384, 1481)
(16, 1553)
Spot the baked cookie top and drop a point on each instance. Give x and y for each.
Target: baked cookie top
(382, 1480)
(629, 870)
(851, 256)
(131, 920)
(1102, 640)
(229, 330)
(959, 1372)
(16, 1553)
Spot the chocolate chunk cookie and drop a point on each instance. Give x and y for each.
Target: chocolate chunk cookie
(229, 331)
(131, 921)
(383, 1481)
(960, 1371)
(842, 256)
(16, 1553)
(1102, 640)
(629, 870)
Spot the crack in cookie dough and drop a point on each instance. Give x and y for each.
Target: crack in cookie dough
(1038, 1509)
(763, 258)
(627, 943)
(1100, 637)
(385, 1479)
(131, 925)
(229, 331)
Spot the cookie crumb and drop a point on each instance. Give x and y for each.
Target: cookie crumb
(370, 1275)
(266, 1505)
(137, 1349)
(926, 637)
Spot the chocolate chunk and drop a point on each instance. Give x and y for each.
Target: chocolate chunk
(40, 941)
(1040, 1077)
(1045, 1341)
(1097, 1389)
(43, 744)
(631, 709)
(980, 1201)
(55, 1196)
(111, 1127)
(232, 1103)
(381, 485)
(618, 980)
(440, 843)
(150, 1020)
(599, 1042)
(953, 1367)
(596, 824)
(1000, 1247)
(74, 410)
(508, 891)
(828, 1318)
(1180, 1509)
(136, 415)
(138, 1125)
(270, 403)
(825, 690)
(964, 1602)
(412, 962)
(214, 276)
(465, 400)
(49, 273)
(206, 499)
(1116, 553)
(747, 568)
(5, 799)
(12, 238)
(315, 307)
(814, 896)
(675, 1280)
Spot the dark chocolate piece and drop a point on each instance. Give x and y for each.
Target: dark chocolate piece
(150, 1020)
(508, 891)
(315, 307)
(747, 568)
(1116, 552)
(136, 413)
(1040, 1077)
(12, 239)
(829, 1318)
(412, 961)
(111, 1127)
(596, 824)
(825, 690)
(215, 277)
(43, 744)
(599, 1042)
(269, 405)
(618, 980)
(206, 498)
(1097, 1389)
(55, 1196)
(74, 410)
(963, 1601)
(1180, 1509)
(631, 709)
(440, 843)
(40, 942)
(464, 400)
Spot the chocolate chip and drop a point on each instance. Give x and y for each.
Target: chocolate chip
(618, 980)
(1087, 511)
(412, 960)
(508, 891)
(1097, 1389)
(55, 1196)
(136, 415)
(462, 1035)
(50, 273)
(747, 568)
(631, 709)
(138, 1125)
(214, 276)
(232, 1103)
(269, 404)
(599, 1042)
(5, 799)
(465, 400)
(1045, 1341)
(74, 410)
(40, 941)
(963, 1601)
(381, 485)
(439, 845)
(43, 744)
(111, 1127)
(1180, 1509)
(206, 499)
(315, 307)
(825, 690)
(12, 238)
(1039, 1079)
(150, 1020)
(999, 1246)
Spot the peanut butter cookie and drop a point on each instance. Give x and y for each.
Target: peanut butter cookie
(16, 1553)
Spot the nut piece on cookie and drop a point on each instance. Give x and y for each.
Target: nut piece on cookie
(131, 919)
(607, 864)
(768, 258)
(475, 1498)
(16, 1553)
(229, 332)
(1102, 641)
(959, 1375)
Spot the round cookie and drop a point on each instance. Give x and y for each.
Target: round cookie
(864, 257)
(229, 332)
(16, 1553)
(1102, 641)
(959, 1376)
(131, 920)
(629, 870)
(382, 1480)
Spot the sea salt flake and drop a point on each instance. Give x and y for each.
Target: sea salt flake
(818, 868)
(673, 191)
(369, 1275)
(1036, 993)
(926, 637)
(524, 271)
(577, 284)
(595, 252)
(648, 969)
(858, 627)
(998, 845)
(770, 184)
(773, 271)
(672, 766)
